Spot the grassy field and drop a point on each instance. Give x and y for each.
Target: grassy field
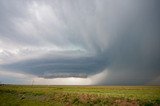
(18, 95)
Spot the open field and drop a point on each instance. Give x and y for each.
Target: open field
(79, 95)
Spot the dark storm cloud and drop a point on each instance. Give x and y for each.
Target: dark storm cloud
(60, 66)
(121, 36)
(135, 51)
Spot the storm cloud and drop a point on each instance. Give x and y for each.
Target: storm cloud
(52, 39)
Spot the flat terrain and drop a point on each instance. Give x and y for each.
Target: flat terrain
(21, 95)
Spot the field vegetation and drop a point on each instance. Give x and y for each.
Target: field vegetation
(24, 95)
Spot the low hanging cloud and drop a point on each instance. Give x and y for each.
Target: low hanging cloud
(19, 78)
(80, 39)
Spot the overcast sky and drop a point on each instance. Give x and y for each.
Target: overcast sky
(84, 42)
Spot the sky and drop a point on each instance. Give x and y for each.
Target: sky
(80, 42)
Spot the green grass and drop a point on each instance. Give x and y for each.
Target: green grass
(18, 95)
